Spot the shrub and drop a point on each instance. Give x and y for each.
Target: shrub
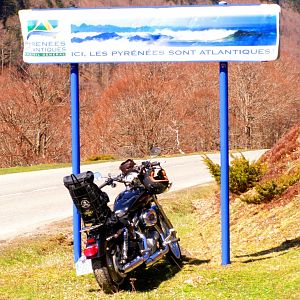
(266, 191)
(277, 186)
(251, 196)
(214, 169)
(101, 157)
(242, 174)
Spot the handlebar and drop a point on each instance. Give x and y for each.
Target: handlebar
(120, 178)
(149, 164)
(110, 181)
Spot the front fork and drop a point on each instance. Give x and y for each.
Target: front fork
(171, 234)
(161, 211)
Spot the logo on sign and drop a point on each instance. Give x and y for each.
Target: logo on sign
(42, 39)
(46, 28)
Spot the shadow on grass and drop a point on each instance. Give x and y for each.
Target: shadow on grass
(282, 247)
(251, 259)
(144, 280)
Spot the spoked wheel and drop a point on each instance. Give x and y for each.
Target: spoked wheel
(174, 254)
(107, 273)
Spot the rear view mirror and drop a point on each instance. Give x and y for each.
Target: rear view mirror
(155, 151)
(97, 175)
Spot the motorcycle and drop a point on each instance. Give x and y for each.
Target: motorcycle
(135, 233)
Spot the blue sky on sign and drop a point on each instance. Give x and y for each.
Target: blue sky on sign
(202, 21)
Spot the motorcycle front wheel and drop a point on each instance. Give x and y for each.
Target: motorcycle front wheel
(107, 274)
(175, 253)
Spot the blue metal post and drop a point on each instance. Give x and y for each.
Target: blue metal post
(224, 163)
(75, 153)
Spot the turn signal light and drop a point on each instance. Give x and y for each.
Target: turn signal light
(90, 240)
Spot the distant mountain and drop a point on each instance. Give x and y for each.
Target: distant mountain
(106, 28)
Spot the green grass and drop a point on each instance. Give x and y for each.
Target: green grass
(265, 257)
(20, 169)
(40, 167)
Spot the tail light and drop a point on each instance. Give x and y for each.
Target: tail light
(91, 248)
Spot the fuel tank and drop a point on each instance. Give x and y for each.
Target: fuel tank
(130, 200)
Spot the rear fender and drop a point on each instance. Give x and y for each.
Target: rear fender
(101, 245)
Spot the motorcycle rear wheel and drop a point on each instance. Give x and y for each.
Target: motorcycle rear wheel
(108, 278)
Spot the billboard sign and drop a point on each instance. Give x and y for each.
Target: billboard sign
(151, 34)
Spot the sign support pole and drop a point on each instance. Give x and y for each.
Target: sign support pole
(224, 163)
(74, 78)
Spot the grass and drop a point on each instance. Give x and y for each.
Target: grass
(40, 167)
(265, 257)
(19, 169)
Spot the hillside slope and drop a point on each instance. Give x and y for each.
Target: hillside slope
(257, 231)
(284, 159)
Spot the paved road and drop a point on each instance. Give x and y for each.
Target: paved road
(29, 200)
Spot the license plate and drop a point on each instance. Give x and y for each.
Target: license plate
(83, 266)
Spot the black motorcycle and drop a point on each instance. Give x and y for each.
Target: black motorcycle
(135, 233)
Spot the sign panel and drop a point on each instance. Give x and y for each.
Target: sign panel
(151, 34)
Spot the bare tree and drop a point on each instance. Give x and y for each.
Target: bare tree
(155, 104)
(263, 105)
(34, 115)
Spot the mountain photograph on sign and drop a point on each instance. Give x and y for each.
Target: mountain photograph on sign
(202, 31)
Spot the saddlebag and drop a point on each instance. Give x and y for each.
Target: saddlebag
(89, 200)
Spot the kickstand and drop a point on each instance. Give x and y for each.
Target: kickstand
(132, 280)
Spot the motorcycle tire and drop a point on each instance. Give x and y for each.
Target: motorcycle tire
(174, 255)
(106, 276)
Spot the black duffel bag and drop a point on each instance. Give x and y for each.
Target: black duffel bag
(89, 200)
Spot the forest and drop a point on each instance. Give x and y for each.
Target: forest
(125, 109)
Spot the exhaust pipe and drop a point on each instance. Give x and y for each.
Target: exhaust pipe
(156, 256)
(133, 264)
(148, 260)
(140, 259)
